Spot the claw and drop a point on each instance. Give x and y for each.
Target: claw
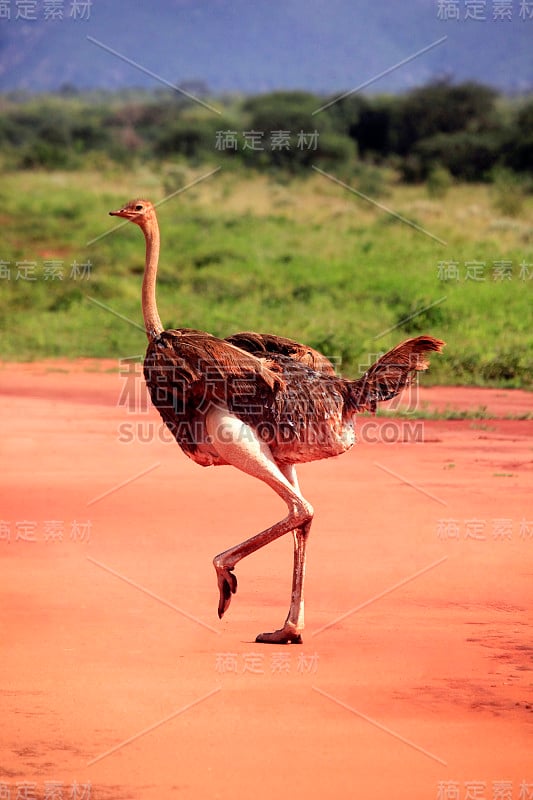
(286, 635)
(227, 584)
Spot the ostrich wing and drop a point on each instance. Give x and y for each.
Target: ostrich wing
(188, 372)
(270, 346)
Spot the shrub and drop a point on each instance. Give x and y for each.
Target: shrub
(443, 108)
(438, 182)
(519, 147)
(508, 192)
(188, 137)
(469, 156)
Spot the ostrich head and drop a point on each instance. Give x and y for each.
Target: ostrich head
(138, 211)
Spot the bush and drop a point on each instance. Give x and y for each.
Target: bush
(442, 108)
(519, 147)
(438, 182)
(508, 192)
(45, 155)
(469, 156)
(374, 130)
(508, 366)
(189, 138)
(370, 180)
(175, 177)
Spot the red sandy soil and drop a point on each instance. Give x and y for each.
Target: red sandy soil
(117, 678)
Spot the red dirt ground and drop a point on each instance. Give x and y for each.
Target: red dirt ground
(119, 681)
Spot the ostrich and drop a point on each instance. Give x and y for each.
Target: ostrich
(260, 403)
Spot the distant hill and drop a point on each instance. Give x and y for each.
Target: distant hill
(253, 46)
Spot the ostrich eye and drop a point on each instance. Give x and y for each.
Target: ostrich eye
(138, 208)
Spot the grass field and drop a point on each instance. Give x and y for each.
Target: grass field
(305, 258)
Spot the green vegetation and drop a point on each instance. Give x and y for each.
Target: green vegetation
(466, 129)
(267, 243)
(480, 412)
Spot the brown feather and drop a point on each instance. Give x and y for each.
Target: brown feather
(392, 372)
(302, 413)
(271, 345)
(187, 372)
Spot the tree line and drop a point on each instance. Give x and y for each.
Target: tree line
(465, 131)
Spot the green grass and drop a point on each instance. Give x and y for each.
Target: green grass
(449, 413)
(306, 259)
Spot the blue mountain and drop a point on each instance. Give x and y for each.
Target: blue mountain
(253, 46)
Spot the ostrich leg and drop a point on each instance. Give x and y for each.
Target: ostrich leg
(238, 444)
(295, 619)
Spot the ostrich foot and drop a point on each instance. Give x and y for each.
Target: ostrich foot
(286, 635)
(227, 585)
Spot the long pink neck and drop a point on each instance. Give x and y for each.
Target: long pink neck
(152, 322)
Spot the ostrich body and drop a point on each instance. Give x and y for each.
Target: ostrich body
(262, 404)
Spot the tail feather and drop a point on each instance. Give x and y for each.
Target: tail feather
(392, 372)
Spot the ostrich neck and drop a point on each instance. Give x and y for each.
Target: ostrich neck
(152, 322)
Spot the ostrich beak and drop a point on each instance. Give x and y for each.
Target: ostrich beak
(126, 213)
